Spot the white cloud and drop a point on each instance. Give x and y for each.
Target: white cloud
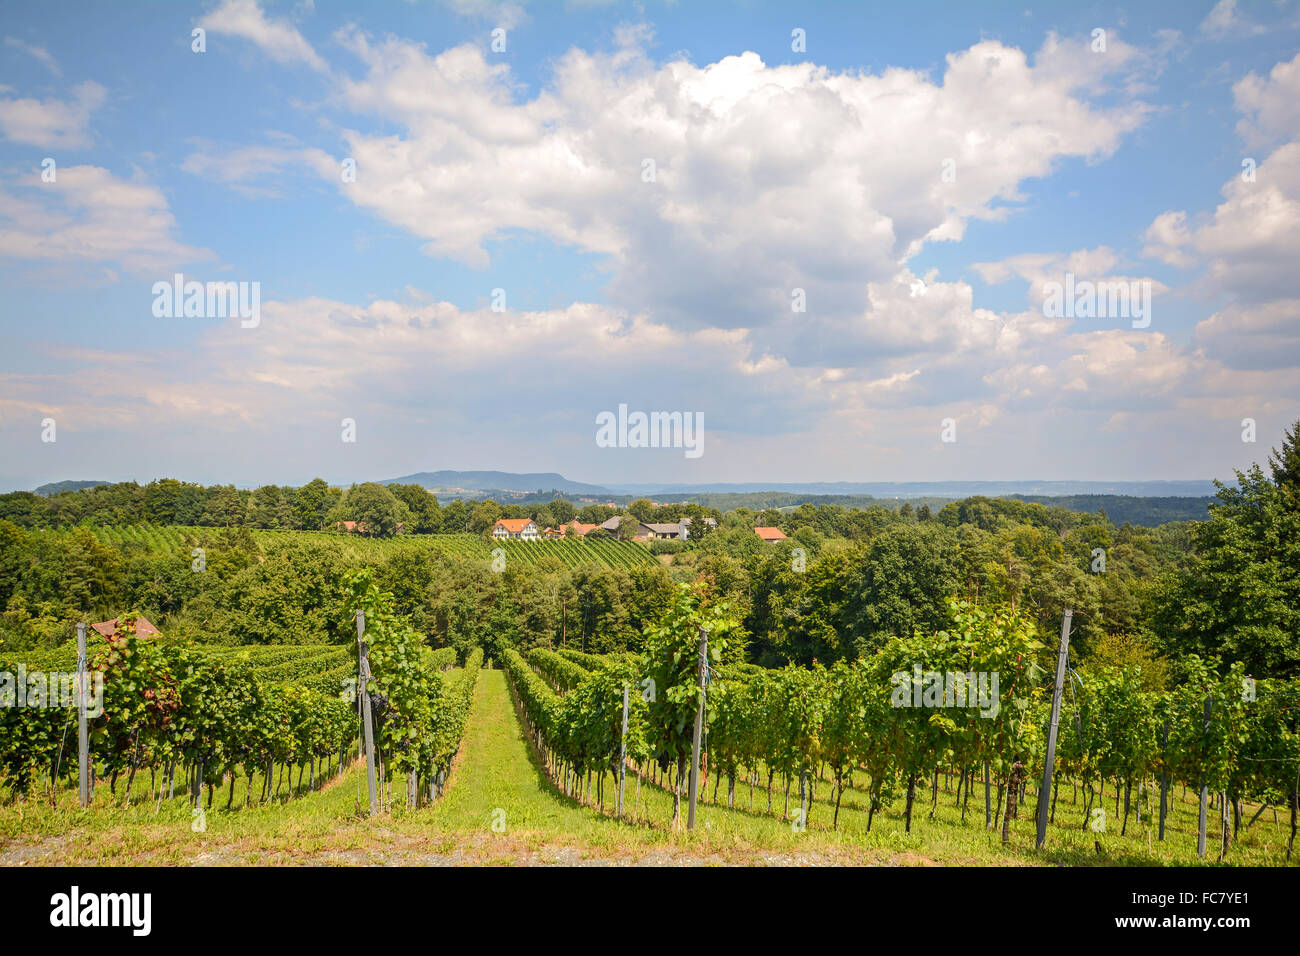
(276, 37)
(253, 171)
(1224, 20)
(1094, 265)
(499, 13)
(766, 178)
(1265, 336)
(55, 124)
(1251, 242)
(39, 53)
(90, 215)
(1270, 106)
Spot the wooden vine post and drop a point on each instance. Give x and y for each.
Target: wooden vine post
(363, 689)
(1164, 777)
(699, 728)
(1045, 791)
(83, 747)
(1205, 793)
(622, 754)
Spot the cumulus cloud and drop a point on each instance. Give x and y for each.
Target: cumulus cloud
(51, 123)
(1251, 242)
(1270, 105)
(713, 191)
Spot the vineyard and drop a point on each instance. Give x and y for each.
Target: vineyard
(853, 730)
(220, 714)
(569, 552)
(871, 753)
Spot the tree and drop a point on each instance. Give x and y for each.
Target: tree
(264, 508)
(900, 583)
(313, 503)
(628, 526)
(1285, 464)
(375, 509)
(642, 509)
(483, 517)
(225, 507)
(1240, 595)
(426, 516)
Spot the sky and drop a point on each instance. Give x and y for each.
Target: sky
(830, 232)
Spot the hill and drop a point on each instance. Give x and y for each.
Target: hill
(54, 487)
(498, 481)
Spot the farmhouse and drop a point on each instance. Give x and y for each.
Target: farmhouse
(523, 529)
(665, 531)
(770, 534)
(577, 529)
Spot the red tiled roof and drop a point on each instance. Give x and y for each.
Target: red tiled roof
(142, 627)
(769, 534)
(513, 525)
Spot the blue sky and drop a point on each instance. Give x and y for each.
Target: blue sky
(522, 169)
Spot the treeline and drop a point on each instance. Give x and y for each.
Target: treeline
(379, 510)
(1148, 511)
(411, 508)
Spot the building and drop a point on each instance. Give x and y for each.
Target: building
(686, 526)
(359, 527)
(577, 529)
(522, 529)
(142, 627)
(642, 532)
(662, 531)
(770, 534)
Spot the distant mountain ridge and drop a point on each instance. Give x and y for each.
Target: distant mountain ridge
(54, 487)
(1195, 488)
(498, 481)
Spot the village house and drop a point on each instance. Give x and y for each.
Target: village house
(770, 534)
(522, 529)
(662, 531)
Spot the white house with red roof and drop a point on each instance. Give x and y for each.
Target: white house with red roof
(522, 529)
